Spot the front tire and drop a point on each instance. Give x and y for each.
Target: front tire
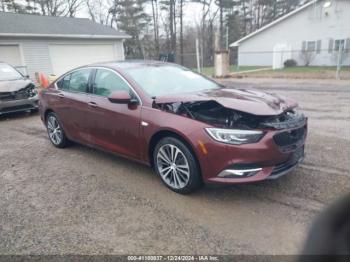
(176, 165)
(55, 131)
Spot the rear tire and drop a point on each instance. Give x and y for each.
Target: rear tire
(55, 131)
(176, 165)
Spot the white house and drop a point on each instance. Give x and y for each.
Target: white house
(54, 45)
(313, 32)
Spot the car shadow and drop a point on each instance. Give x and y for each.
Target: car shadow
(18, 115)
(268, 191)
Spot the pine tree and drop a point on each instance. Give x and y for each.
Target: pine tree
(132, 19)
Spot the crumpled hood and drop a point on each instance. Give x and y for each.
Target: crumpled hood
(250, 101)
(14, 85)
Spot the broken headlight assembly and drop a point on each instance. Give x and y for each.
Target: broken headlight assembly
(235, 136)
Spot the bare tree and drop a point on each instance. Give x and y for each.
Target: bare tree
(307, 56)
(97, 10)
(51, 7)
(2, 5)
(181, 33)
(155, 17)
(172, 26)
(73, 6)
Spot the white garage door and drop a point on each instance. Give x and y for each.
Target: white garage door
(10, 54)
(67, 57)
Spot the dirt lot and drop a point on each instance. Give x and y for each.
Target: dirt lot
(81, 201)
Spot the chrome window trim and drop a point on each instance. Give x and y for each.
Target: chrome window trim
(97, 67)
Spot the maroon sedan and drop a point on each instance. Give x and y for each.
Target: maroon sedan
(189, 128)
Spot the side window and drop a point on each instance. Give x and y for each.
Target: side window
(107, 82)
(79, 80)
(64, 82)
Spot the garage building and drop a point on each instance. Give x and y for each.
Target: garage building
(54, 45)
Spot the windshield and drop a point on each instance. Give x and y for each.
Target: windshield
(7, 72)
(168, 80)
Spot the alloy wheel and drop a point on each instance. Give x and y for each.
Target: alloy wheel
(54, 130)
(173, 166)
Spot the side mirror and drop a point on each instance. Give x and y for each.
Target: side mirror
(121, 97)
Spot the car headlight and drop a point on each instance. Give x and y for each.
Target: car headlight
(235, 136)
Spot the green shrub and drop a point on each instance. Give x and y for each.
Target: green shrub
(290, 63)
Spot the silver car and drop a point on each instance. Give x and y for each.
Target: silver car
(17, 93)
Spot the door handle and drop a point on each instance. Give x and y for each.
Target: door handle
(93, 104)
(60, 95)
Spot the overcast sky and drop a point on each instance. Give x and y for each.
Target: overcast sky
(192, 13)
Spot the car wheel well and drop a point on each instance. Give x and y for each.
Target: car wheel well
(47, 112)
(161, 134)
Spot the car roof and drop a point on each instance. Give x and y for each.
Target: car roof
(127, 64)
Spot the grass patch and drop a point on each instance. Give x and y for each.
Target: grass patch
(308, 69)
(297, 72)
(210, 70)
(301, 72)
(288, 70)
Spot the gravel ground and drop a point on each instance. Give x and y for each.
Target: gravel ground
(82, 201)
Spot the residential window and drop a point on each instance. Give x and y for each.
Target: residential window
(338, 43)
(318, 46)
(347, 45)
(311, 46)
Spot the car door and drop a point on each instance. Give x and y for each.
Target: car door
(114, 127)
(72, 103)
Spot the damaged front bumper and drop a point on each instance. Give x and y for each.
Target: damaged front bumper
(250, 170)
(11, 106)
(276, 154)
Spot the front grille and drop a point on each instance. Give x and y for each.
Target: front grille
(6, 96)
(291, 139)
(23, 93)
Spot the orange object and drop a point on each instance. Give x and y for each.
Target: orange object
(44, 81)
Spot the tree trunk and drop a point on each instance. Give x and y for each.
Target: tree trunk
(221, 25)
(181, 33)
(172, 27)
(155, 27)
(3, 5)
(245, 18)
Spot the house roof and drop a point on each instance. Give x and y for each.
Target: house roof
(262, 29)
(28, 25)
